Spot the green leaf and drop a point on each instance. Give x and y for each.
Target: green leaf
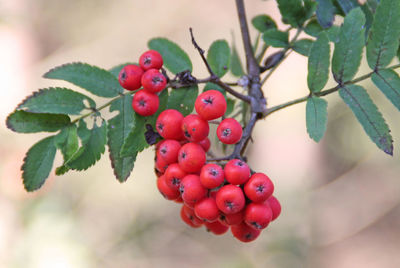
(316, 117)
(263, 23)
(182, 99)
(163, 100)
(83, 131)
(347, 5)
(369, 17)
(230, 105)
(384, 35)
(38, 163)
(293, 12)
(56, 101)
(318, 63)
(117, 69)
(372, 4)
(91, 150)
(135, 140)
(67, 141)
(175, 59)
(119, 128)
(313, 28)
(388, 81)
(24, 122)
(94, 79)
(303, 46)
(348, 50)
(235, 63)
(368, 115)
(218, 57)
(325, 13)
(276, 38)
(333, 33)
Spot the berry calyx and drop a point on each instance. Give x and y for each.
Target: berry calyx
(145, 103)
(169, 124)
(231, 219)
(130, 77)
(153, 81)
(229, 131)
(151, 59)
(191, 157)
(195, 128)
(168, 151)
(211, 175)
(174, 176)
(216, 227)
(230, 199)
(237, 172)
(210, 104)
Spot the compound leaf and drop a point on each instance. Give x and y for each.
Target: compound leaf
(316, 117)
(325, 13)
(182, 99)
(276, 38)
(24, 122)
(318, 63)
(135, 141)
(388, 81)
(303, 46)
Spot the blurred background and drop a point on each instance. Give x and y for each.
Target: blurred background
(340, 197)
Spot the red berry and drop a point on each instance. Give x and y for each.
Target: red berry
(230, 199)
(179, 200)
(258, 215)
(153, 81)
(174, 175)
(205, 144)
(244, 233)
(161, 165)
(206, 209)
(145, 103)
(229, 131)
(168, 151)
(166, 191)
(195, 128)
(192, 190)
(258, 188)
(236, 171)
(216, 227)
(210, 104)
(187, 215)
(130, 77)
(275, 207)
(151, 59)
(191, 157)
(211, 176)
(231, 219)
(169, 124)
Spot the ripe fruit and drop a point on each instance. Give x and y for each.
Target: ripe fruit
(191, 157)
(205, 144)
(195, 128)
(130, 77)
(161, 165)
(145, 103)
(231, 219)
(236, 171)
(187, 215)
(167, 192)
(192, 190)
(229, 131)
(245, 233)
(258, 215)
(216, 227)
(259, 188)
(210, 104)
(174, 175)
(153, 81)
(206, 209)
(151, 59)
(275, 207)
(168, 151)
(169, 124)
(230, 199)
(211, 176)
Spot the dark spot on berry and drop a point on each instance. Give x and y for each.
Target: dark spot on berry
(176, 181)
(256, 225)
(208, 100)
(229, 204)
(240, 163)
(183, 155)
(160, 126)
(191, 217)
(156, 80)
(142, 103)
(163, 150)
(193, 129)
(260, 188)
(226, 132)
(181, 189)
(222, 217)
(187, 134)
(213, 172)
(123, 76)
(248, 236)
(147, 60)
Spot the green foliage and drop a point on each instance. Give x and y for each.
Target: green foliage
(38, 163)
(318, 64)
(347, 5)
(368, 115)
(316, 117)
(235, 63)
(230, 105)
(276, 38)
(218, 57)
(313, 28)
(56, 101)
(303, 46)
(325, 13)
(263, 23)
(24, 122)
(94, 79)
(175, 59)
(182, 99)
(296, 12)
(119, 128)
(388, 81)
(135, 140)
(67, 141)
(384, 35)
(348, 50)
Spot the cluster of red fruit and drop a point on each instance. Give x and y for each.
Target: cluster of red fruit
(147, 75)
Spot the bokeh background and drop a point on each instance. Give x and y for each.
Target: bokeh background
(340, 197)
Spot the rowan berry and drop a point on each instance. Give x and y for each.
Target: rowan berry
(258, 215)
(151, 59)
(210, 104)
(244, 233)
(191, 157)
(145, 103)
(195, 128)
(192, 190)
(167, 192)
(161, 165)
(205, 144)
(174, 175)
(216, 227)
(153, 81)
(231, 219)
(275, 207)
(168, 151)
(211, 175)
(258, 188)
(187, 215)
(236, 171)
(229, 131)
(206, 209)
(130, 77)
(230, 199)
(169, 123)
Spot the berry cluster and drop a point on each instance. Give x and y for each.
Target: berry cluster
(147, 75)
